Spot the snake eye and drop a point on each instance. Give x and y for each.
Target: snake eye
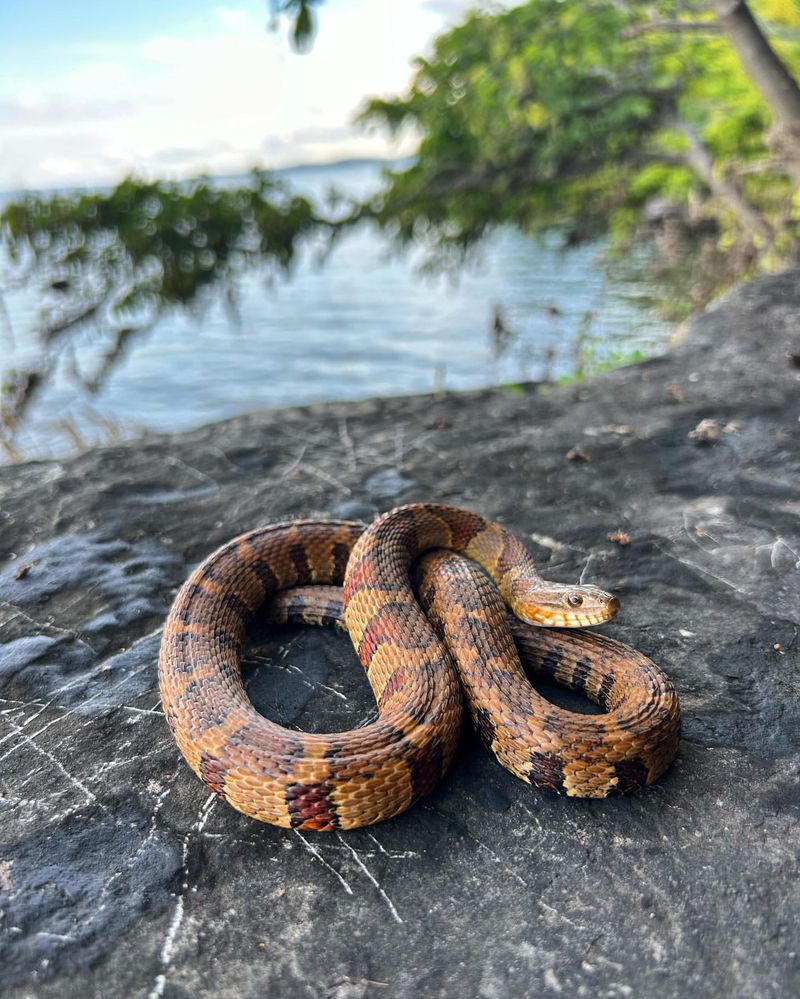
(575, 600)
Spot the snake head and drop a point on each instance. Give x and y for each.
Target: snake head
(555, 605)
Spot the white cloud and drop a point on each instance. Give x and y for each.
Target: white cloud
(217, 102)
(60, 167)
(32, 112)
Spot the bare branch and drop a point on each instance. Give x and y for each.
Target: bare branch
(770, 74)
(724, 186)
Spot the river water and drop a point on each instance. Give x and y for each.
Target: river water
(366, 322)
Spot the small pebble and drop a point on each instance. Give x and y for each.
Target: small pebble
(676, 392)
(706, 432)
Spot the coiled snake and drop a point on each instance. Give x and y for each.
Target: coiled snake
(407, 645)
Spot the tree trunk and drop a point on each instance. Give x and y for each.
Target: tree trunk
(698, 157)
(764, 67)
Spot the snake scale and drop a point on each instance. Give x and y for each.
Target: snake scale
(415, 601)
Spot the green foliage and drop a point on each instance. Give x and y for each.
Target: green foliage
(590, 364)
(573, 113)
(525, 117)
(110, 264)
(171, 240)
(304, 26)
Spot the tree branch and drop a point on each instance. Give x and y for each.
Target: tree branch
(769, 73)
(698, 157)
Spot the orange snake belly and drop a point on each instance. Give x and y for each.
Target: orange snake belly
(426, 629)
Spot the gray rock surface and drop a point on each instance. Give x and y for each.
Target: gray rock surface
(121, 876)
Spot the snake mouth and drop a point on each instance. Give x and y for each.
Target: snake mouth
(560, 617)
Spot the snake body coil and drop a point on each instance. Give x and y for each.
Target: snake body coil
(407, 644)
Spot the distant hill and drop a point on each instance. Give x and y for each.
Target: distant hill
(301, 168)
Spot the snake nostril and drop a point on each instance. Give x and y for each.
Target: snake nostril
(614, 605)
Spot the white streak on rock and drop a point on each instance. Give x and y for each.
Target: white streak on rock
(395, 914)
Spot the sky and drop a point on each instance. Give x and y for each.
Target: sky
(92, 90)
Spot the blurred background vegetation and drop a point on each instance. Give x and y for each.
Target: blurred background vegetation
(608, 117)
(671, 127)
